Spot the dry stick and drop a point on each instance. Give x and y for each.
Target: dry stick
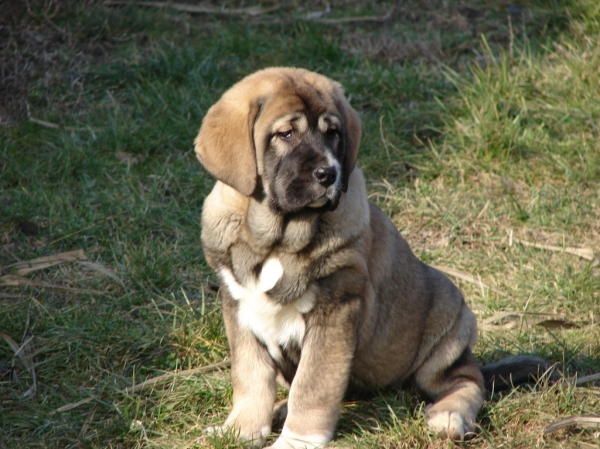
(584, 253)
(198, 9)
(10, 296)
(153, 381)
(251, 11)
(28, 266)
(583, 421)
(529, 319)
(72, 405)
(18, 281)
(55, 126)
(45, 123)
(149, 383)
(341, 20)
(467, 277)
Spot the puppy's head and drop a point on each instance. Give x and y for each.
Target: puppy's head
(285, 133)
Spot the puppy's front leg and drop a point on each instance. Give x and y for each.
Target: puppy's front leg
(321, 379)
(253, 378)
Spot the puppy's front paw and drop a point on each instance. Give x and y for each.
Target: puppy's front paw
(291, 440)
(449, 424)
(250, 438)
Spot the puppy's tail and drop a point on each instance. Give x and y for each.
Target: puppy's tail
(515, 370)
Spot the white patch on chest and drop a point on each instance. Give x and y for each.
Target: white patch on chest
(274, 324)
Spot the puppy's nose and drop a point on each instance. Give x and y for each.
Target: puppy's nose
(325, 175)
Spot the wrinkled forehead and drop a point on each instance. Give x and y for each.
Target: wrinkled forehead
(298, 100)
(299, 105)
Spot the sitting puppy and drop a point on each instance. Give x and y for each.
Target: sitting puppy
(319, 290)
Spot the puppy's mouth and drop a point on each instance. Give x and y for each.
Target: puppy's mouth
(319, 202)
(329, 201)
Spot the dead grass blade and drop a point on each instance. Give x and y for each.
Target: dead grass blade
(583, 421)
(44, 123)
(468, 278)
(343, 20)
(524, 320)
(154, 380)
(199, 9)
(104, 270)
(21, 353)
(10, 280)
(56, 126)
(584, 253)
(29, 266)
(10, 296)
(86, 424)
(72, 405)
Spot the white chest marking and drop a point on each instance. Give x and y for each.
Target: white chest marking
(272, 323)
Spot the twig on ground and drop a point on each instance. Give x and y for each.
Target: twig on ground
(341, 20)
(468, 278)
(154, 380)
(509, 319)
(10, 296)
(28, 266)
(584, 253)
(19, 269)
(583, 421)
(72, 405)
(56, 126)
(10, 280)
(252, 11)
(199, 9)
(150, 382)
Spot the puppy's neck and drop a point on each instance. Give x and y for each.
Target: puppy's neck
(263, 227)
(266, 228)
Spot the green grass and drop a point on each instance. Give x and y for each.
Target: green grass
(480, 138)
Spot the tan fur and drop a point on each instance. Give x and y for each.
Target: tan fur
(378, 317)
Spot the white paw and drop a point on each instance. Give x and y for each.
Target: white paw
(256, 439)
(449, 425)
(290, 440)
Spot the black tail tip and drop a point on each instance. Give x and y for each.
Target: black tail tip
(515, 370)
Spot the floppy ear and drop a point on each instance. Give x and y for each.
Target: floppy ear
(225, 143)
(351, 139)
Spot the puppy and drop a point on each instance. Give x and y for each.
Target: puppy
(319, 290)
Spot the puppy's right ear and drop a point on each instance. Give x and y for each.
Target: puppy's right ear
(225, 143)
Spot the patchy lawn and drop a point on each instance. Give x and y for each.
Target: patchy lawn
(480, 140)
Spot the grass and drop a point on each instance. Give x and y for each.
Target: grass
(480, 123)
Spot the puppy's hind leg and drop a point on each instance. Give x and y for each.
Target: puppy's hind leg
(451, 377)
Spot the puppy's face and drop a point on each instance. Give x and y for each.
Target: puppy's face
(293, 140)
(303, 156)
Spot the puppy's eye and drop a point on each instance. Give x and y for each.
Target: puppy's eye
(332, 132)
(284, 135)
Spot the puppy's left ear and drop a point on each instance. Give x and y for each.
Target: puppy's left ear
(351, 139)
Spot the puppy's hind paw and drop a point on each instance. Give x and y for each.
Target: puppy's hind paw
(451, 425)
